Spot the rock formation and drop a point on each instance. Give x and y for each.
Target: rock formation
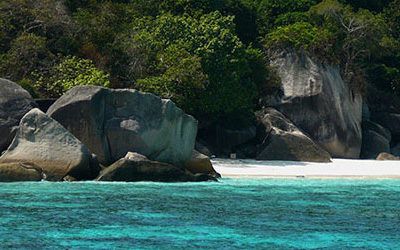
(135, 167)
(319, 102)
(15, 102)
(387, 157)
(114, 122)
(376, 140)
(391, 121)
(396, 150)
(43, 145)
(282, 140)
(11, 172)
(201, 164)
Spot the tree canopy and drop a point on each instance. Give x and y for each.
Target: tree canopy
(211, 57)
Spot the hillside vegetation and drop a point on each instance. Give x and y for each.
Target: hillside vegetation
(209, 56)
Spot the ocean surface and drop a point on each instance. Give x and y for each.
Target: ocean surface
(231, 214)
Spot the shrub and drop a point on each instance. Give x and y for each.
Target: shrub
(71, 72)
(301, 36)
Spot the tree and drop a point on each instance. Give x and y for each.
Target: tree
(270, 10)
(301, 36)
(360, 33)
(371, 5)
(28, 53)
(45, 18)
(215, 64)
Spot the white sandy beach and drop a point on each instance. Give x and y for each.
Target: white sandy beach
(338, 168)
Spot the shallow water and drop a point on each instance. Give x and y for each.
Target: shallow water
(234, 213)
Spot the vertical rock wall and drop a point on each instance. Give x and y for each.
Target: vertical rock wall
(318, 101)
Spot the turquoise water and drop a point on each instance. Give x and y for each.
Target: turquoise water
(243, 214)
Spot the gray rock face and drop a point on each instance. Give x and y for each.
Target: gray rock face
(135, 167)
(284, 141)
(376, 140)
(114, 122)
(318, 101)
(374, 144)
(43, 143)
(201, 164)
(390, 121)
(396, 150)
(200, 147)
(387, 157)
(12, 172)
(369, 125)
(15, 102)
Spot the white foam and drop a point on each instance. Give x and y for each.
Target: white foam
(338, 168)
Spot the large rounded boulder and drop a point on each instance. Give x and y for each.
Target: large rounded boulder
(201, 164)
(136, 167)
(43, 145)
(114, 122)
(15, 102)
(282, 140)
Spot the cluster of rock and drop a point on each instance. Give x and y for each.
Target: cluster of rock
(314, 117)
(273, 137)
(381, 134)
(97, 133)
(126, 135)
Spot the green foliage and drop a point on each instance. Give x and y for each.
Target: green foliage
(392, 17)
(372, 5)
(360, 35)
(301, 36)
(271, 10)
(71, 72)
(28, 53)
(183, 78)
(214, 61)
(387, 77)
(291, 18)
(208, 56)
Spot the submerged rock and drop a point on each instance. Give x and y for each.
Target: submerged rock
(319, 102)
(43, 143)
(387, 157)
(282, 140)
(136, 167)
(114, 122)
(15, 102)
(201, 164)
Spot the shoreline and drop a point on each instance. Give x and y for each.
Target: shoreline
(337, 169)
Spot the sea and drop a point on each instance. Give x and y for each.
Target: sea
(234, 213)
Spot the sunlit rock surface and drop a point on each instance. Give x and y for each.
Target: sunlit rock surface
(317, 100)
(113, 122)
(43, 145)
(15, 102)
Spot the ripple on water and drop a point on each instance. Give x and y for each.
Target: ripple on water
(234, 213)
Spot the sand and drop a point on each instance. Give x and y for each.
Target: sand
(338, 168)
